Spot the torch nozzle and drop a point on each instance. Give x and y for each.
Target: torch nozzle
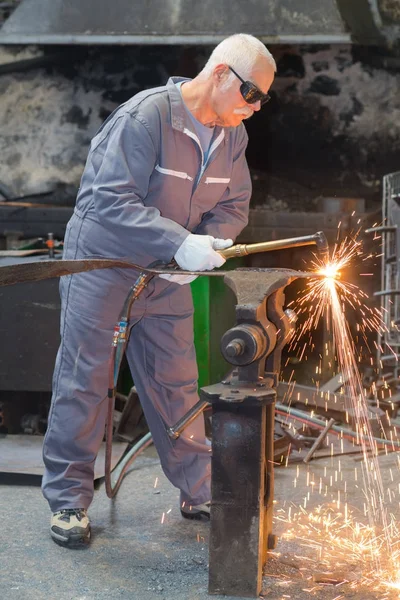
(322, 246)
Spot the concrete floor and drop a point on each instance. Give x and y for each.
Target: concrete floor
(134, 556)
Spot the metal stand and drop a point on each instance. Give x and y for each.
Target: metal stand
(243, 433)
(242, 493)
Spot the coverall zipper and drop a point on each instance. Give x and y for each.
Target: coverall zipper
(214, 146)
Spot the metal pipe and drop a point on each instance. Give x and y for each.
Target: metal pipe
(175, 431)
(300, 415)
(382, 229)
(318, 441)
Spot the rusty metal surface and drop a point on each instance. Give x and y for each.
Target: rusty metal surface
(252, 285)
(243, 408)
(21, 272)
(23, 454)
(13, 273)
(239, 487)
(171, 21)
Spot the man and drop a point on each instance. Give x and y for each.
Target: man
(166, 177)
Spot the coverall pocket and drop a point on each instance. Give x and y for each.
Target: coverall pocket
(181, 301)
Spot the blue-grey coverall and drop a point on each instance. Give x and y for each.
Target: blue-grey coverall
(143, 190)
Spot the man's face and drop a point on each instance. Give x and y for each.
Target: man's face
(228, 102)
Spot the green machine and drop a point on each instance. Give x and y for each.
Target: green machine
(214, 313)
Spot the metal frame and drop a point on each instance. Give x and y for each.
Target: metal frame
(389, 339)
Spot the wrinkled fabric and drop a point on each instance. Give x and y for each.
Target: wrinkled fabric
(140, 188)
(162, 360)
(132, 204)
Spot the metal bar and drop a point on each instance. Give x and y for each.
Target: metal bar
(382, 228)
(48, 269)
(387, 293)
(301, 415)
(388, 357)
(192, 414)
(318, 441)
(334, 384)
(104, 39)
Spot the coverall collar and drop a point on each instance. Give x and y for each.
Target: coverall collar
(179, 117)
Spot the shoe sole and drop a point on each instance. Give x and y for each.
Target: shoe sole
(75, 540)
(196, 516)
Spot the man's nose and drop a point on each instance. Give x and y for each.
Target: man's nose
(257, 105)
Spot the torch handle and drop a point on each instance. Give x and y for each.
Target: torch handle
(245, 249)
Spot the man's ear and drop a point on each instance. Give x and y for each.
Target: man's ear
(219, 73)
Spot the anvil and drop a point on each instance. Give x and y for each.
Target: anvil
(243, 411)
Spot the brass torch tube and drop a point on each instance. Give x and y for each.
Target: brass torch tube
(245, 249)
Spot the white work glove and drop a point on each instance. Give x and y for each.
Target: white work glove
(180, 279)
(198, 252)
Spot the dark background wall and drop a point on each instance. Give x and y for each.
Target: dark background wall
(331, 129)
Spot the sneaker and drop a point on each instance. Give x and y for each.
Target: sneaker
(70, 527)
(196, 512)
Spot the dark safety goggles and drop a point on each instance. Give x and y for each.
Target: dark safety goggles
(250, 92)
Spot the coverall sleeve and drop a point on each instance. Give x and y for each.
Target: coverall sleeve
(123, 161)
(230, 215)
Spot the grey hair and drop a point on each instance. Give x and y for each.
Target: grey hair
(239, 51)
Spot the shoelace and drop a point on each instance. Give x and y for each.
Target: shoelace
(78, 512)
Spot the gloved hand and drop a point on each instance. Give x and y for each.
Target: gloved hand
(198, 252)
(180, 279)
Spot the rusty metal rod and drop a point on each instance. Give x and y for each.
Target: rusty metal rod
(49, 269)
(175, 431)
(304, 417)
(318, 441)
(39, 270)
